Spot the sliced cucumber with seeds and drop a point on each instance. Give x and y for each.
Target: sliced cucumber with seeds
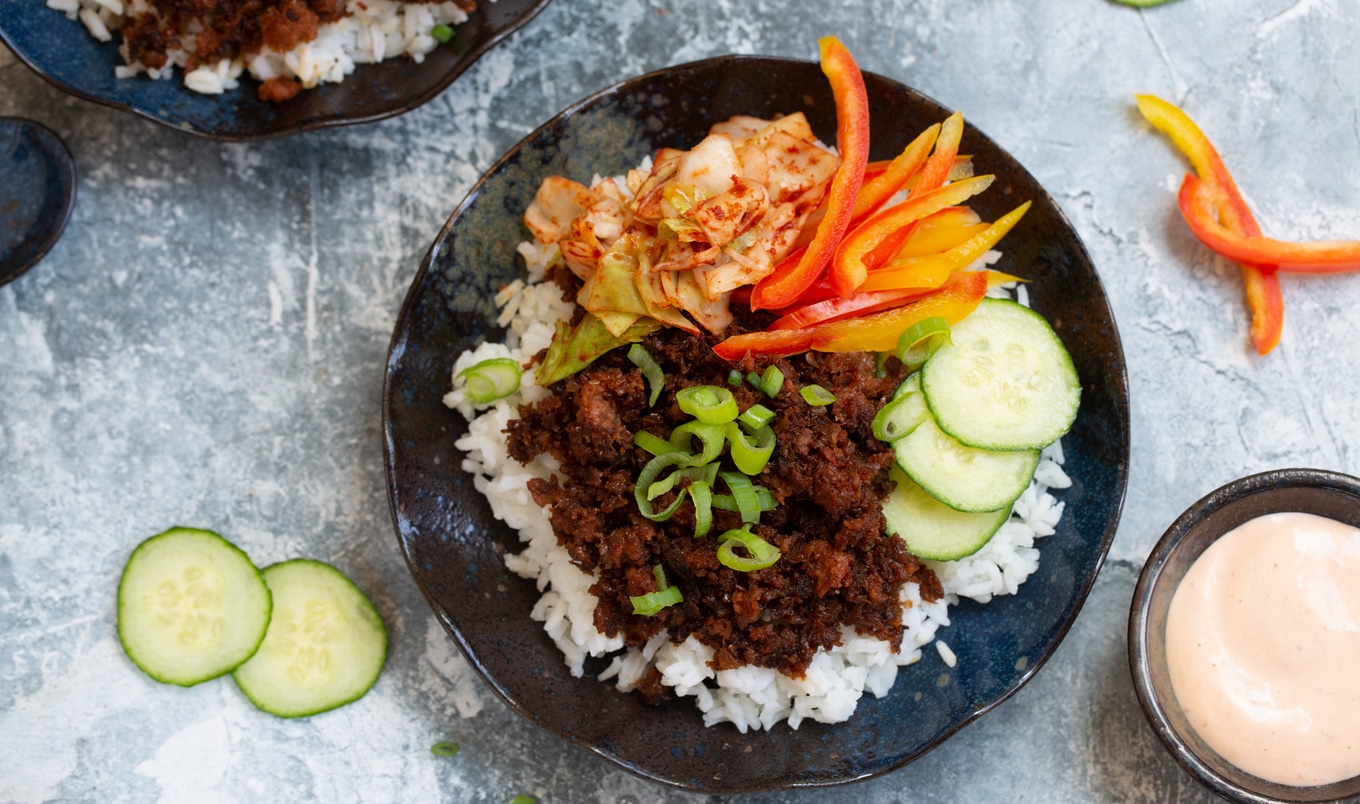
(1004, 382)
(932, 529)
(325, 646)
(191, 606)
(964, 478)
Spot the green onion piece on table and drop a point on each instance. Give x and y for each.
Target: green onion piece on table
(762, 553)
(655, 379)
(920, 340)
(713, 437)
(442, 34)
(816, 395)
(444, 749)
(490, 380)
(523, 799)
(654, 444)
(709, 404)
(756, 416)
(771, 381)
(750, 454)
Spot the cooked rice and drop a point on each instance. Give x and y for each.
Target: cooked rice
(372, 31)
(748, 697)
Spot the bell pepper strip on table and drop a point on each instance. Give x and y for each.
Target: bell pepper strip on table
(852, 140)
(859, 253)
(877, 332)
(1199, 205)
(1264, 298)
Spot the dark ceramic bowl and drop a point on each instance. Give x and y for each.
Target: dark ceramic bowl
(36, 195)
(454, 546)
(1309, 491)
(66, 55)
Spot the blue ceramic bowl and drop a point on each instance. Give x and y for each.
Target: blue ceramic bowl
(36, 196)
(65, 54)
(454, 546)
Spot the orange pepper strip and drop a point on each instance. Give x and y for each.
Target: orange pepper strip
(852, 140)
(877, 332)
(859, 252)
(1198, 203)
(909, 273)
(875, 192)
(1264, 297)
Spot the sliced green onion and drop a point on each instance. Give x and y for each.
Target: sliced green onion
(771, 381)
(880, 364)
(709, 404)
(750, 454)
(523, 799)
(643, 360)
(725, 502)
(734, 377)
(441, 33)
(713, 437)
(654, 444)
(754, 379)
(652, 602)
(920, 340)
(491, 379)
(648, 476)
(694, 474)
(762, 553)
(899, 418)
(816, 395)
(703, 506)
(743, 495)
(756, 416)
(444, 749)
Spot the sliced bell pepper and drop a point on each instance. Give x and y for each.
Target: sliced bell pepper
(860, 251)
(877, 332)
(1199, 206)
(875, 192)
(1264, 298)
(837, 307)
(899, 274)
(852, 140)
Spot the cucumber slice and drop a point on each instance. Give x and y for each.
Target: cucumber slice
(1005, 382)
(933, 530)
(325, 647)
(191, 606)
(964, 478)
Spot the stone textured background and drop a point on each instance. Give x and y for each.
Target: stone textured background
(205, 346)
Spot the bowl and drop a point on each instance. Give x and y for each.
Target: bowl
(455, 547)
(64, 53)
(1309, 491)
(37, 195)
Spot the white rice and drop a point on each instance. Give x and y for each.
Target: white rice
(372, 31)
(748, 697)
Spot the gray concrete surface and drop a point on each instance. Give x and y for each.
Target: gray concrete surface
(205, 347)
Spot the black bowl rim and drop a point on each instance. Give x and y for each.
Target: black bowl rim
(469, 58)
(1150, 698)
(56, 147)
(1083, 590)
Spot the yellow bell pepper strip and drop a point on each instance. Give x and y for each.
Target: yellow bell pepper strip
(1262, 286)
(852, 140)
(877, 332)
(859, 251)
(922, 272)
(927, 241)
(1198, 203)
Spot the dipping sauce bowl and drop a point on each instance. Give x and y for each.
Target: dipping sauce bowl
(1310, 491)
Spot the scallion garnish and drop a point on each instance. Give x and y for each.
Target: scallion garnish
(654, 444)
(743, 495)
(771, 381)
(652, 602)
(762, 553)
(734, 377)
(724, 502)
(441, 33)
(655, 379)
(756, 416)
(753, 378)
(702, 494)
(648, 476)
(712, 436)
(490, 380)
(750, 454)
(444, 749)
(898, 418)
(523, 799)
(920, 340)
(709, 404)
(816, 395)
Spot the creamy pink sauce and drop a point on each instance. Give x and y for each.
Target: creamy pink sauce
(1263, 646)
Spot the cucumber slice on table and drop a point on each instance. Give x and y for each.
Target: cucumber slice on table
(933, 530)
(325, 647)
(964, 478)
(1004, 382)
(191, 606)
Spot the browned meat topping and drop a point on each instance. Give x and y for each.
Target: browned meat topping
(828, 473)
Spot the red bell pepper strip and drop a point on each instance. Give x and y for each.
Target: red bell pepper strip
(877, 332)
(852, 140)
(1264, 298)
(1199, 206)
(859, 252)
(836, 308)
